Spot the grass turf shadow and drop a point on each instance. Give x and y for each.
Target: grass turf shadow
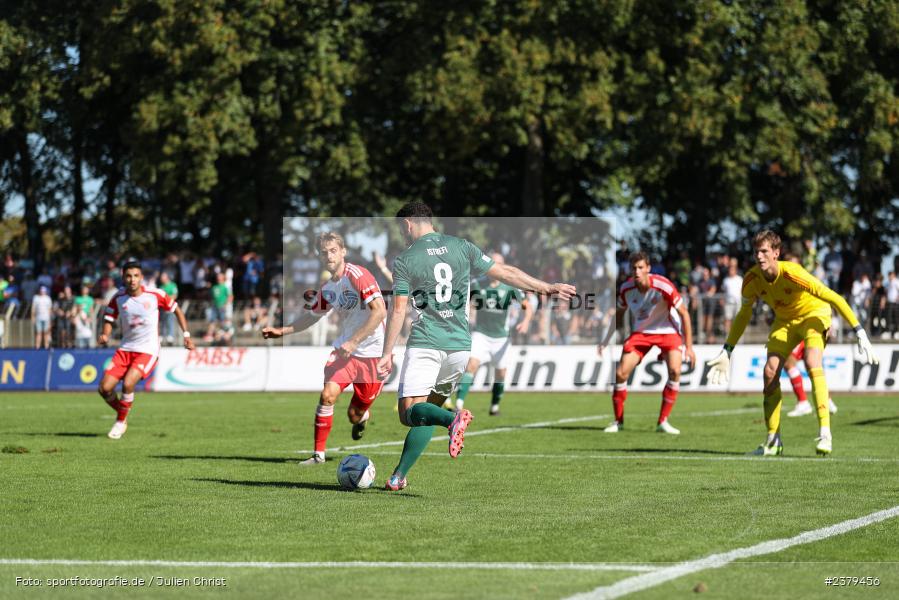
(65, 434)
(304, 485)
(887, 421)
(263, 459)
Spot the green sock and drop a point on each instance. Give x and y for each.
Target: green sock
(464, 385)
(416, 441)
(498, 388)
(425, 413)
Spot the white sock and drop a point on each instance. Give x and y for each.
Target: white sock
(824, 432)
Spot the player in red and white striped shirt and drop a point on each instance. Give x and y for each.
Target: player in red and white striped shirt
(353, 292)
(137, 311)
(660, 318)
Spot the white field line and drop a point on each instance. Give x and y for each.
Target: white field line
(757, 459)
(480, 432)
(715, 561)
(499, 566)
(468, 434)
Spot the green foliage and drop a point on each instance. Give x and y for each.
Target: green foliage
(211, 120)
(471, 95)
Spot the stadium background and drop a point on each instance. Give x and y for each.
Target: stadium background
(182, 134)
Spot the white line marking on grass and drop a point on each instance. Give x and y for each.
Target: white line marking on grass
(538, 425)
(471, 433)
(663, 456)
(716, 561)
(499, 566)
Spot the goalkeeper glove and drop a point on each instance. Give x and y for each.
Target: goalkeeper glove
(720, 367)
(864, 346)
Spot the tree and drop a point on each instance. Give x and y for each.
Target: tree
(307, 156)
(205, 123)
(27, 88)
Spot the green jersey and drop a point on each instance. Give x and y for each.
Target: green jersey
(220, 293)
(85, 303)
(492, 305)
(170, 288)
(436, 271)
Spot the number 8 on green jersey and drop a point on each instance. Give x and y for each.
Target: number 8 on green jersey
(436, 272)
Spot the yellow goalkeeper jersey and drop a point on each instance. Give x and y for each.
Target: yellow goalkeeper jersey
(794, 294)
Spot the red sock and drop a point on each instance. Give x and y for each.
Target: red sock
(324, 418)
(113, 400)
(669, 397)
(796, 380)
(124, 406)
(618, 398)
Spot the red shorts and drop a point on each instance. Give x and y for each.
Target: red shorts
(123, 360)
(799, 351)
(641, 343)
(361, 372)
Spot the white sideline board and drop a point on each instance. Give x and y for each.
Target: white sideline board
(529, 369)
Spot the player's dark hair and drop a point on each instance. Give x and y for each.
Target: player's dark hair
(416, 211)
(766, 235)
(637, 256)
(131, 264)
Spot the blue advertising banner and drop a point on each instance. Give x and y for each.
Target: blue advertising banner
(78, 369)
(23, 369)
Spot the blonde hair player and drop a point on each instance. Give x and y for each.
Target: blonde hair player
(802, 310)
(353, 292)
(803, 406)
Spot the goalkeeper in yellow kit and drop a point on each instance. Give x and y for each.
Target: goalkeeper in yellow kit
(802, 309)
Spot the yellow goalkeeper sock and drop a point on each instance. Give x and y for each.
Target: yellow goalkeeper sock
(772, 408)
(821, 395)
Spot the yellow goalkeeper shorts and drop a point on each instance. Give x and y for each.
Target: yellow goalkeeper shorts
(786, 335)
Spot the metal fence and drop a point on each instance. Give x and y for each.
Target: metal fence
(710, 315)
(244, 327)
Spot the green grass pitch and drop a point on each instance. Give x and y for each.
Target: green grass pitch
(211, 477)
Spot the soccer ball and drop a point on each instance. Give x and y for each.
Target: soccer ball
(356, 472)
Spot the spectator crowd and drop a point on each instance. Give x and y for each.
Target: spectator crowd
(206, 288)
(712, 287)
(235, 297)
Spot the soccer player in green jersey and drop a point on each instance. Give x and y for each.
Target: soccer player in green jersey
(435, 273)
(490, 336)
